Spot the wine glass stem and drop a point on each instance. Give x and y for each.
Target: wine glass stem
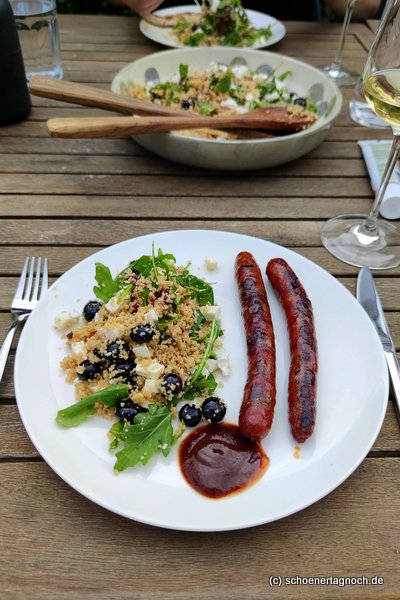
(337, 61)
(370, 224)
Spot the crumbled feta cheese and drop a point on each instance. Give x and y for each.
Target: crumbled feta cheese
(66, 319)
(229, 103)
(205, 372)
(111, 334)
(224, 365)
(79, 348)
(151, 369)
(223, 361)
(211, 263)
(240, 70)
(249, 97)
(210, 313)
(113, 304)
(152, 386)
(271, 97)
(211, 364)
(259, 76)
(141, 351)
(151, 316)
(279, 84)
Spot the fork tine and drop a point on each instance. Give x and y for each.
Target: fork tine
(37, 280)
(30, 279)
(21, 284)
(45, 281)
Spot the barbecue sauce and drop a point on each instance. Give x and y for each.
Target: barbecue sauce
(217, 460)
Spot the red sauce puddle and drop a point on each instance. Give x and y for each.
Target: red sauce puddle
(217, 460)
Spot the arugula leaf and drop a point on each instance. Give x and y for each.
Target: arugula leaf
(203, 386)
(150, 432)
(144, 295)
(223, 84)
(197, 379)
(163, 322)
(76, 413)
(147, 265)
(181, 26)
(207, 108)
(197, 288)
(107, 286)
(142, 266)
(195, 39)
(183, 71)
(116, 432)
(200, 320)
(283, 76)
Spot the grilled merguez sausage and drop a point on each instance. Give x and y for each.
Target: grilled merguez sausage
(303, 347)
(257, 409)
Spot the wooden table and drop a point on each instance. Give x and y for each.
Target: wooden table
(66, 199)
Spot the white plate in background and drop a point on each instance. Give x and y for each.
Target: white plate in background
(165, 35)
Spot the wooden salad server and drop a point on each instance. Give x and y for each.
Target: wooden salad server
(274, 119)
(171, 20)
(85, 95)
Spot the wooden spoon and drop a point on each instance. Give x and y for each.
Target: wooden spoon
(85, 95)
(271, 119)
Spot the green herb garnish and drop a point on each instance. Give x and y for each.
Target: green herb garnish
(150, 432)
(76, 413)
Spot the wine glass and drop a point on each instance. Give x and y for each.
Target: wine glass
(365, 240)
(360, 111)
(335, 70)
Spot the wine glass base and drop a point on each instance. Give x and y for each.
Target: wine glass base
(340, 76)
(344, 237)
(362, 114)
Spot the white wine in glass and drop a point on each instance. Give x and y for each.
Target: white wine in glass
(335, 70)
(361, 113)
(366, 240)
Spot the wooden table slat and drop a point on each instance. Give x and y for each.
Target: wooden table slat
(67, 199)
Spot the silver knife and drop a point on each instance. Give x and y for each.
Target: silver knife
(367, 296)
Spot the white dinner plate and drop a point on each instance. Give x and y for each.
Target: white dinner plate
(352, 394)
(165, 36)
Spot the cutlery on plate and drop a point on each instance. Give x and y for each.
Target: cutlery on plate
(367, 295)
(272, 119)
(85, 95)
(30, 290)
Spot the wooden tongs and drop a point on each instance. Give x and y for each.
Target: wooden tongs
(277, 119)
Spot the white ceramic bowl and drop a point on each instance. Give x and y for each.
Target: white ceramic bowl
(235, 155)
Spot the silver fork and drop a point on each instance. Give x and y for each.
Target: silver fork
(30, 290)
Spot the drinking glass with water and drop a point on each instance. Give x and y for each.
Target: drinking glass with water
(37, 26)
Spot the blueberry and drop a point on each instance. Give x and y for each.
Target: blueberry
(213, 409)
(190, 415)
(115, 349)
(188, 103)
(124, 370)
(91, 309)
(90, 370)
(300, 102)
(171, 385)
(126, 409)
(143, 333)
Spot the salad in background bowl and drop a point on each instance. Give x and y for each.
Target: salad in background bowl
(302, 80)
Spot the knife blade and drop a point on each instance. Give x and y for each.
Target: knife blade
(367, 295)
